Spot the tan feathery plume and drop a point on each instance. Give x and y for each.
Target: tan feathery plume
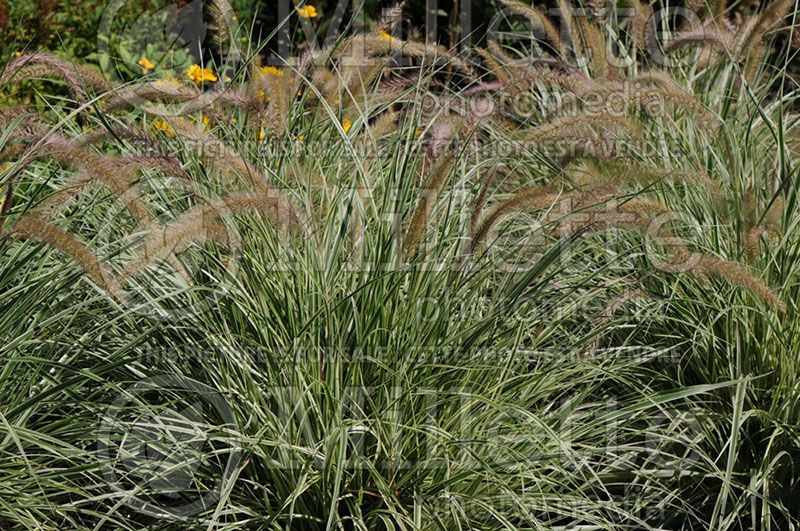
(703, 117)
(535, 15)
(222, 27)
(596, 46)
(162, 160)
(480, 200)
(358, 86)
(598, 8)
(391, 17)
(646, 174)
(325, 81)
(140, 137)
(752, 240)
(500, 53)
(527, 199)
(494, 67)
(374, 45)
(653, 86)
(204, 223)
(23, 118)
(524, 80)
(753, 58)
(480, 88)
(256, 83)
(122, 186)
(705, 35)
(32, 227)
(116, 171)
(641, 24)
(758, 223)
(439, 172)
(644, 211)
(281, 93)
(739, 276)
(517, 76)
(753, 34)
(750, 210)
(38, 64)
(579, 127)
(441, 136)
(719, 8)
(394, 82)
(659, 79)
(384, 125)
(191, 98)
(127, 97)
(166, 164)
(227, 160)
(195, 226)
(637, 213)
(109, 170)
(477, 111)
(568, 23)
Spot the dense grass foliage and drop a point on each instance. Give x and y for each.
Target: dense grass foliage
(533, 288)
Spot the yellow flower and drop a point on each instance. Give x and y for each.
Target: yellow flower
(384, 35)
(271, 71)
(146, 65)
(346, 125)
(162, 125)
(261, 134)
(307, 12)
(204, 120)
(199, 74)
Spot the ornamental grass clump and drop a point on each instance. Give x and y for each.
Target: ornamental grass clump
(391, 308)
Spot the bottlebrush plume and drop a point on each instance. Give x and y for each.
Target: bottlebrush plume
(32, 227)
(738, 275)
(544, 24)
(439, 172)
(39, 64)
(204, 223)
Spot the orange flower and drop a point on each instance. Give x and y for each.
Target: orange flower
(146, 65)
(307, 12)
(271, 71)
(199, 74)
(162, 125)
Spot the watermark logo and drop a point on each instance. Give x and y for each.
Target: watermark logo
(166, 446)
